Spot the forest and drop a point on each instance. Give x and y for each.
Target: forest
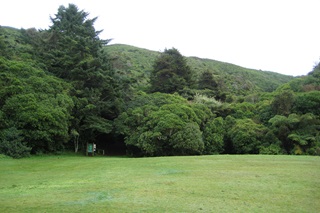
(64, 87)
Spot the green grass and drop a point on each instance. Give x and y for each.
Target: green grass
(221, 183)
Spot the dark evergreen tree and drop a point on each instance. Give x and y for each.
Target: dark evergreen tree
(316, 71)
(283, 102)
(170, 73)
(207, 81)
(74, 45)
(74, 52)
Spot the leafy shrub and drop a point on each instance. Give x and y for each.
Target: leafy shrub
(2, 156)
(213, 136)
(203, 99)
(246, 136)
(314, 151)
(273, 149)
(188, 141)
(163, 127)
(11, 144)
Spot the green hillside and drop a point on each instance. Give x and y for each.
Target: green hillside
(136, 63)
(64, 87)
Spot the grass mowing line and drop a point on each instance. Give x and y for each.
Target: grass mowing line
(220, 183)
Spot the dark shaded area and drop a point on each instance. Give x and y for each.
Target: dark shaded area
(112, 146)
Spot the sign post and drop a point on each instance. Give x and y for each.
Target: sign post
(90, 149)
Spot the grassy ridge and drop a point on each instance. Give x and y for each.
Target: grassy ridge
(136, 63)
(254, 79)
(167, 184)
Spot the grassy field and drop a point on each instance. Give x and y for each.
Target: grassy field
(220, 183)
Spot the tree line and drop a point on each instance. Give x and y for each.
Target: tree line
(59, 90)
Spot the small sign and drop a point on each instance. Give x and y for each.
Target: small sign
(90, 148)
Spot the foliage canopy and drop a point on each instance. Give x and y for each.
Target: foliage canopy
(62, 87)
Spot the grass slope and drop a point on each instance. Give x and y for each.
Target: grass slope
(221, 183)
(136, 63)
(243, 77)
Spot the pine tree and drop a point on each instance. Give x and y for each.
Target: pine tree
(170, 73)
(72, 42)
(75, 53)
(207, 81)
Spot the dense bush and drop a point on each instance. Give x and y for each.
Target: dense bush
(165, 129)
(246, 136)
(213, 136)
(12, 143)
(35, 103)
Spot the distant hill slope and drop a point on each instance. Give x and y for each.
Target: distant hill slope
(136, 64)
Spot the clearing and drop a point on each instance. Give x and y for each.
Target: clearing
(217, 183)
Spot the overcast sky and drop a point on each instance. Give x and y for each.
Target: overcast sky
(274, 35)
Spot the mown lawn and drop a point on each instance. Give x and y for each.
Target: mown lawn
(219, 183)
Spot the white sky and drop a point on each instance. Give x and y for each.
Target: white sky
(274, 35)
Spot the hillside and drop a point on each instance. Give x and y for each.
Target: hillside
(59, 92)
(136, 63)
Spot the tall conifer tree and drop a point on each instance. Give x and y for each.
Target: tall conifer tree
(170, 72)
